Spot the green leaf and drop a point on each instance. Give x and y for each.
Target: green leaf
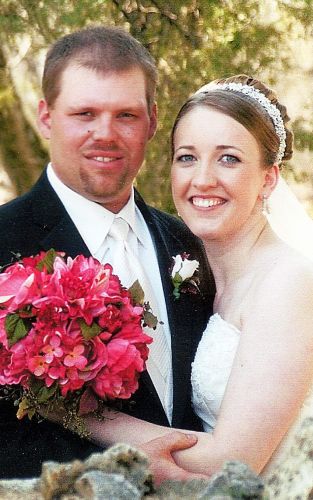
(177, 280)
(136, 292)
(24, 408)
(150, 319)
(47, 261)
(42, 392)
(46, 393)
(16, 328)
(89, 331)
(176, 292)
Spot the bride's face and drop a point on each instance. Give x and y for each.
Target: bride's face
(217, 174)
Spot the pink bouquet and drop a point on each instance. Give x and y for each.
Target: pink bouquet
(70, 333)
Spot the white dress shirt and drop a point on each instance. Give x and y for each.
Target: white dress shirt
(83, 211)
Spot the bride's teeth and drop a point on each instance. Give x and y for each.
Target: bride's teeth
(104, 159)
(206, 203)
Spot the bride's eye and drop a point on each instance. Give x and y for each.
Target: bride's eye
(229, 159)
(186, 158)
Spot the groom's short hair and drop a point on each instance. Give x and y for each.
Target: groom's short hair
(103, 49)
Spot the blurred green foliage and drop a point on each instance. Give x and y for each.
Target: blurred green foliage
(193, 42)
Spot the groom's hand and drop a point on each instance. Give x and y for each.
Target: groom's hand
(159, 452)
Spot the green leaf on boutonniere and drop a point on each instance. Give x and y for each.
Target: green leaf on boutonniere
(16, 328)
(137, 293)
(89, 331)
(47, 261)
(177, 279)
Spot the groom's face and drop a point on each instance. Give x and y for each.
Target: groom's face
(98, 128)
(217, 175)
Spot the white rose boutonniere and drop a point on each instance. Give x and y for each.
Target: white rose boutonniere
(184, 275)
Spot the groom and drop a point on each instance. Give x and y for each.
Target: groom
(98, 114)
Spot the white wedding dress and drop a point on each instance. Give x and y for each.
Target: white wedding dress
(210, 372)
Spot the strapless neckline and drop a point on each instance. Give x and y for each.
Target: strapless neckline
(211, 368)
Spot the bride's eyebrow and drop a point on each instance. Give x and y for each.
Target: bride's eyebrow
(221, 147)
(191, 148)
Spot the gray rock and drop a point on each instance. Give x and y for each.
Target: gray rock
(177, 490)
(235, 480)
(59, 480)
(127, 461)
(98, 485)
(19, 489)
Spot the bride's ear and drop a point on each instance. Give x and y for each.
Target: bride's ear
(270, 180)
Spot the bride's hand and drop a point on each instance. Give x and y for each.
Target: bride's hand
(159, 452)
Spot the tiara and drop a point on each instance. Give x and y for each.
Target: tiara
(258, 96)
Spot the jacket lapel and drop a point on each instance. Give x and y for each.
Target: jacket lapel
(55, 227)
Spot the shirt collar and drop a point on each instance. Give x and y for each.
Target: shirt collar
(82, 211)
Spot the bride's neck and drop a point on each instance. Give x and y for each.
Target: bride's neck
(229, 258)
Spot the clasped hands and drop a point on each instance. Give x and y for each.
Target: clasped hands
(160, 455)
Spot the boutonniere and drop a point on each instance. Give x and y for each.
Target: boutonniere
(184, 275)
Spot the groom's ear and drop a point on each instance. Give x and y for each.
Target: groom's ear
(270, 179)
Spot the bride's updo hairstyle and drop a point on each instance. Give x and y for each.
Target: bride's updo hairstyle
(258, 115)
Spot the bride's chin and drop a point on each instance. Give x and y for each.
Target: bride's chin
(206, 235)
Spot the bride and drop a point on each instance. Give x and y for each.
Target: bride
(254, 365)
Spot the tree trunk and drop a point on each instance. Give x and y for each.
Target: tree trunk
(21, 152)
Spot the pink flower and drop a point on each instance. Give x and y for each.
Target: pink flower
(53, 349)
(97, 355)
(56, 372)
(18, 287)
(71, 382)
(75, 358)
(38, 365)
(119, 379)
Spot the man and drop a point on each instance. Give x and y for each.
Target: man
(98, 114)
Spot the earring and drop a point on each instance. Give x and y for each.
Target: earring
(265, 207)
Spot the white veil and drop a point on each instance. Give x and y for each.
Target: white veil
(289, 220)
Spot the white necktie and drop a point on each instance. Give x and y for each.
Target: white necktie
(126, 265)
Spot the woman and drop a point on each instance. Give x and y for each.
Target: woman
(254, 365)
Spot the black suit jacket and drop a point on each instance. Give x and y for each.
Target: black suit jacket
(38, 221)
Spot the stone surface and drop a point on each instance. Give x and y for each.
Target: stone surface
(98, 485)
(125, 460)
(236, 480)
(120, 461)
(14, 489)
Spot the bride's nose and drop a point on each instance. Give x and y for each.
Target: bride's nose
(205, 176)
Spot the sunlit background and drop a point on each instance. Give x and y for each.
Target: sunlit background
(193, 42)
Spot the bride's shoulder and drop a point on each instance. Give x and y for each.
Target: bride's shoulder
(289, 272)
(282, 293)
(290, 261)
